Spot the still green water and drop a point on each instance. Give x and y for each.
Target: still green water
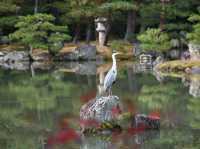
(35, 109)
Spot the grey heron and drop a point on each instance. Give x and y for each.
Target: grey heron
(111, 75)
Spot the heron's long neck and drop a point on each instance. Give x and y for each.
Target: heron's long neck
(114, 61)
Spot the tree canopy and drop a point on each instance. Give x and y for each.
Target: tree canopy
(154, 40)
(38, 31)
(126, 18)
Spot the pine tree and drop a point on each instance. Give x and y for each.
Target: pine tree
(194, 36)
(154, 40)
(38, 31)
(8, 16)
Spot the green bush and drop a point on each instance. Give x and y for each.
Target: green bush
(194, 36)
(121, 45)
(154, 40)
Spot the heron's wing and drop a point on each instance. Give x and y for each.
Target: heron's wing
(109, 79)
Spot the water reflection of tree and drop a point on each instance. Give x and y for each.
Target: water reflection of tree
(194, 108)
(157, 96)
(166, 98)
(174, 138)
(30, 106)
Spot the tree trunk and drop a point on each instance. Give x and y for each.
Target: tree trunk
(30, 52)
(77, 34)
(162, 21)
(36, 7)
(131, 24)
(89, 33)
(162, 15)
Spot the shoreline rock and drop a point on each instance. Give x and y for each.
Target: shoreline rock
(83, 52)
(14, 56)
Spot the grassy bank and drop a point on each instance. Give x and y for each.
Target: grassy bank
(177, 65)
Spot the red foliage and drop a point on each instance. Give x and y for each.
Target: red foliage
(88, 96)
(116, 111)
(154, 115)
(63, 136)
(89, 123)
(136, 130)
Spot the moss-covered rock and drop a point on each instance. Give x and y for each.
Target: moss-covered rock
(177, 65)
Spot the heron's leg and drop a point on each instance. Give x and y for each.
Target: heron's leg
(109, 91)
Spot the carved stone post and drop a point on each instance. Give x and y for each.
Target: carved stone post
(101, 29)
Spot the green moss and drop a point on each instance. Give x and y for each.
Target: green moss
(177, 65)
(121, 46)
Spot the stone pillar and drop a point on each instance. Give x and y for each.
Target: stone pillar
(194, 51)
(101, 29)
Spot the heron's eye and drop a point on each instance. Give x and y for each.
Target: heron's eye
(113, 71)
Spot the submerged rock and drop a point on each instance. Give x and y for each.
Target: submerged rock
(16, 65)
(82, 68)
(42, 65)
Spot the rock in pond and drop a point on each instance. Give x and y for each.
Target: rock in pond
(41, 55)
(104, 115)
(100, 109)
(16, 56)
(97, 111)
(84, 52)
(23, 65)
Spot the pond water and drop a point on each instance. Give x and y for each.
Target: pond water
(41, 110)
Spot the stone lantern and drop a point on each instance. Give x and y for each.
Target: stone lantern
(101, 29)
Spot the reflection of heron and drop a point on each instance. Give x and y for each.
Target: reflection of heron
(111, 75)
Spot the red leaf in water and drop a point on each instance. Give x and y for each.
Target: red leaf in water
(116, 111)
(63, 136)
(133, 130)
(89, 123)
